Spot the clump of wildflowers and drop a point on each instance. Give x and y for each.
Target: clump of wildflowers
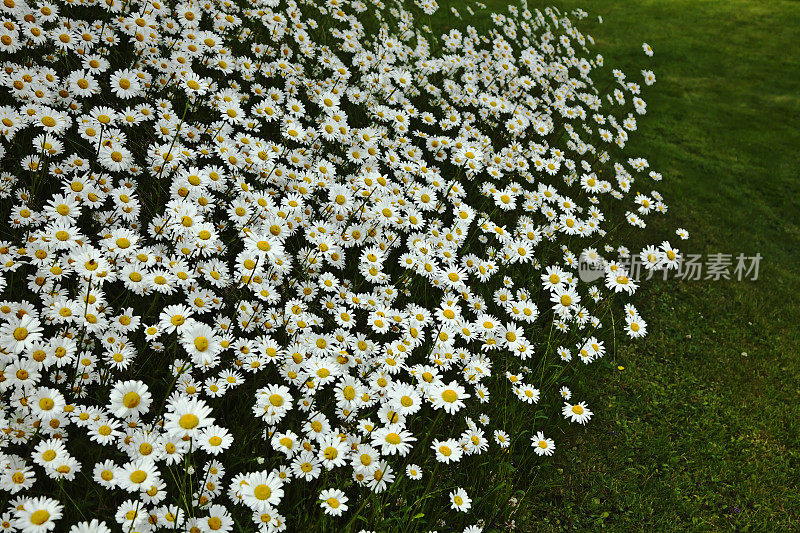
(256, 229)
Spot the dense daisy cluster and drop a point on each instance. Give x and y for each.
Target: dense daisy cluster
(258, 250)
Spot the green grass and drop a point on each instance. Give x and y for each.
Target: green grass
(693, 434)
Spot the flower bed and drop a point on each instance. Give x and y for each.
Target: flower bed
(270, 263)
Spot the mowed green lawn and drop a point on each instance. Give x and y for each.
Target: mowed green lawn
(700, 429)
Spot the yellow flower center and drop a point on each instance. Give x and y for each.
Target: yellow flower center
(276, 400)
(45, 404)
(262, 492)
(201, 343)
(40, 517)
(20, 334)
(131, 400)
(49, 455)
(189, 421)
(331, 453)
